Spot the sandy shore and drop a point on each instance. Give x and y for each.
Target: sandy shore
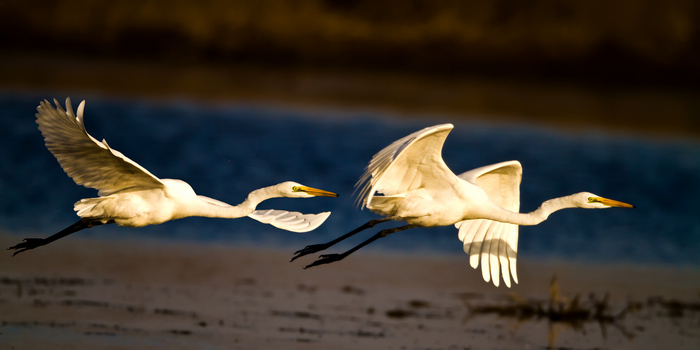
(81, 293)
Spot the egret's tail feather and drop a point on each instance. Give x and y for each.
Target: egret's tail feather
(88, 207)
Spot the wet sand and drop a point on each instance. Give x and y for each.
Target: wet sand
(82, 293)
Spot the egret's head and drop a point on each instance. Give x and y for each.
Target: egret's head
(592, 201)
(295, 190)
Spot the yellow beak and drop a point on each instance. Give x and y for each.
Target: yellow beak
(316, 192)
(613, 203)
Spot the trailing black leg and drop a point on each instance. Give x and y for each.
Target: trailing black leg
(314, 248)
(31, 243)
(329, 258)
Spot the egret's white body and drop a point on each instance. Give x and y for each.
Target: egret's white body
(131, 196)
(409, 181)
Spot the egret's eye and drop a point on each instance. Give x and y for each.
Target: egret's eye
(593, 200)
(296, 189)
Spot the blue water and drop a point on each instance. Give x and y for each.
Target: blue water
(225, 151)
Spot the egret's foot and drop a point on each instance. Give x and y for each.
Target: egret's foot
(326, 259)
(27, 243)
(309, 249)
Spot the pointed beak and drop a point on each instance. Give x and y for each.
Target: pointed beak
(613, 203)
(316, 192)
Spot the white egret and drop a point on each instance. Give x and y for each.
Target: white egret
(131, 196)
(417, 187)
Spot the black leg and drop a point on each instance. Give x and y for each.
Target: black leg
(314, 248)
(329, 258)
(31, 243)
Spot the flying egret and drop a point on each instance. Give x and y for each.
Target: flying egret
(417, 187)
(131, 196)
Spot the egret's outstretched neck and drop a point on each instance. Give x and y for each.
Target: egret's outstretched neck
(259, 195)
(207, 207)
(535, 217)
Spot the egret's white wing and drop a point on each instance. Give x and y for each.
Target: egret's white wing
(491, 242)
(88, 162)
(290, 220)
(412, 162)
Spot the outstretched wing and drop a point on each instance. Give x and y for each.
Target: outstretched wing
(491, 242)
(88, 162)
(290, 220)
(412, 162)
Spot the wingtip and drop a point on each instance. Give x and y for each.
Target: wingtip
(81, 109)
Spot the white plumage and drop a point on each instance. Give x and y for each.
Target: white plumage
(129, 195)
(409, 181)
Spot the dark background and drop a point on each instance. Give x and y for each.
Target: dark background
(620, 41)
(617, 64)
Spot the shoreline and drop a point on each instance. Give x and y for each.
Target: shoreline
(533, 273)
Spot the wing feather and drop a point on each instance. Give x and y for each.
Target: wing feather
(412, 162)
(494, 243)
(290, 220)
(478, 242)
(492, 255)
(88, 162)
